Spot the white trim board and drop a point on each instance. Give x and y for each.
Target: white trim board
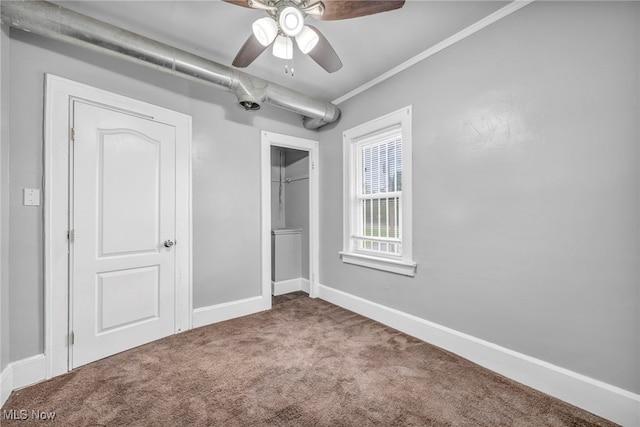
(204, 316)
(269, 139)
(463, 34)
(20, 374)
(605, 400)
(6, 384)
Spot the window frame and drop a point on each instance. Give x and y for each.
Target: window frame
(353, 139)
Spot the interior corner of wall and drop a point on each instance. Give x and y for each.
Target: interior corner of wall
(6, 384)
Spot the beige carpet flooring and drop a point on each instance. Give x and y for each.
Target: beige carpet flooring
(306, 362)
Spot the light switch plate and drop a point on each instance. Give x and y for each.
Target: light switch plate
(31, 197)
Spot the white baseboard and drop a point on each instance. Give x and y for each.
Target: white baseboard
(229, 310)
(29, 371)
(605, 400)
(286, 286)
(306, 286)
(20, 374)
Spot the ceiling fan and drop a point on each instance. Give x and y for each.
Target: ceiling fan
(286, 22)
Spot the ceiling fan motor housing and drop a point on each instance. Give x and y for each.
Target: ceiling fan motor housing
(290, 20)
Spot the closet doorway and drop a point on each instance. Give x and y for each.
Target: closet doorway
(289, 220)
(289, 215)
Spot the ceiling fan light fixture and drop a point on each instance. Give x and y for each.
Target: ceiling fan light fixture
(283, 47)
(265, 30)
(291, 21)
(307, 39)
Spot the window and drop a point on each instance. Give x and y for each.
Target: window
(378, 194)
(377, 205)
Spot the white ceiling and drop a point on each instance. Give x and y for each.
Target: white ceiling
(368, 46)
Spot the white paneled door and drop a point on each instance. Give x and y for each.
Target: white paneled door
(122, 218)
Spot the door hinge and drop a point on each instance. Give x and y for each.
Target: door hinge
(72, 338)
(73, 134)
(71, 235)
(313, 165)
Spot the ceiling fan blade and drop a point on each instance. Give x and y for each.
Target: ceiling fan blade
(345, 9)
(249, 51)
(242, 3)
(324, 54)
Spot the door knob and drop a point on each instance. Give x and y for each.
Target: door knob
(168, 243)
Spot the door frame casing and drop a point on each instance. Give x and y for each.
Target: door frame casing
(269, 139)
(59, 93)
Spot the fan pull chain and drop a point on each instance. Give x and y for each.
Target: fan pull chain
(289, 66)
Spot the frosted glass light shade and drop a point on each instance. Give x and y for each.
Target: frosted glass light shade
(265, 29)
(283, 47)
(307, 39)
(291, 21)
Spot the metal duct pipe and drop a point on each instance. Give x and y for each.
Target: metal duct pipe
(58, 23)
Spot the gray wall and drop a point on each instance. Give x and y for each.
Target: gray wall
(277, 197)
(4, 193)
(525, 202)
(297, 204)
(226, 174)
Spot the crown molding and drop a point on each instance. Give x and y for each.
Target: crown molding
(461, 35)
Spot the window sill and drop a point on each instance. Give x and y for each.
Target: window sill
(391, 265)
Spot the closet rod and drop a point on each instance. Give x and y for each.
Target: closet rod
(288, 180)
